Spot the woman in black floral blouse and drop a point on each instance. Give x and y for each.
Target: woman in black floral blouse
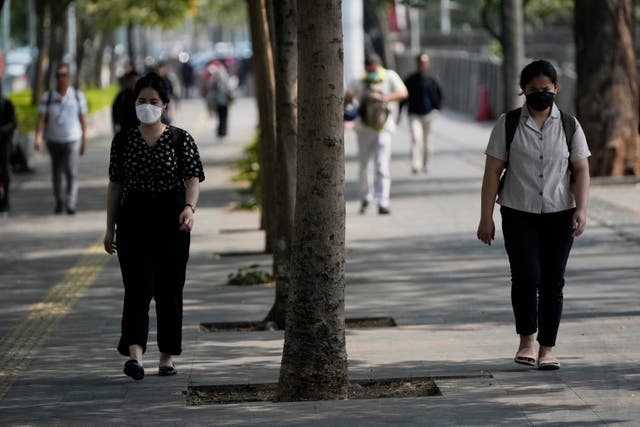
(154, 183)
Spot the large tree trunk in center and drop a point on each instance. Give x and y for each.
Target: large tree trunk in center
(513, 48)
(607, 88)
(314, 359)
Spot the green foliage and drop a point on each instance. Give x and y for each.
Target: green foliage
(27, 114)
(111, 14)
(97, 99)
(251, 275)
(249, 172)
(544, 13)
(226, 13)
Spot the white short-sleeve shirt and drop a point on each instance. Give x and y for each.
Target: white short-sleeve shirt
(63, 115)
(392, 82)
(537, 178)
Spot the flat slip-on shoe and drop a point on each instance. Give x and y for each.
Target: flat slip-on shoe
(167, 371)
(525, 360)
(133, 369)
(549, 365)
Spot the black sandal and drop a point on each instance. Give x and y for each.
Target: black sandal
(133, 369)
(167, 371)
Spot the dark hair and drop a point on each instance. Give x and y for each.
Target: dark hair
(131, 74)
(155, 82)
(536, 69)
(372, 59)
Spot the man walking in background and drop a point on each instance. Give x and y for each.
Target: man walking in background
(62, 124)
(424, 100)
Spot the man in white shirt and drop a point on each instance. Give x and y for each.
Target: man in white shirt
(62, 124)
(374, 140)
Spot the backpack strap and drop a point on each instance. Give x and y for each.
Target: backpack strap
(511, 122)
(569, 127)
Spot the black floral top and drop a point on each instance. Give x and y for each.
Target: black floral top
(161, 167)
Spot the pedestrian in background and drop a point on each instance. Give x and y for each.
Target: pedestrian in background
(123, 110)
(543, 201)
(62, 124)
(425, 97)
(378, 93)
(8, 124)
(154, 184)
(219, 94)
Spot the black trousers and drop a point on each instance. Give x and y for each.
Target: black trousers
(538, 247)
(153, 255)
(223, 114)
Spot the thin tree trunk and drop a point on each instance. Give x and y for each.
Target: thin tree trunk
(265, 85)
(97, 60)
(131, 45)
(513, 50)
(607, 87)
(37, 83)
(314, 359)
(57, 37)
(286, 70)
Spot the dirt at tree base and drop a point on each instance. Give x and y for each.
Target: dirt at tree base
(363, 389)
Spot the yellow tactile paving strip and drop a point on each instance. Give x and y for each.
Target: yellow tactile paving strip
(32, 331)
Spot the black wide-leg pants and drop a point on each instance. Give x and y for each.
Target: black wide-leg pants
(153, 255)
(538, 247)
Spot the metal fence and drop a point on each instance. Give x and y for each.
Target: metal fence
(463, 75)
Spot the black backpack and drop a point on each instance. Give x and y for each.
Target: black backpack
(511, 123)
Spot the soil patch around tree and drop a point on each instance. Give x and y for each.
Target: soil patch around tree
(358, 389)
(249, 326)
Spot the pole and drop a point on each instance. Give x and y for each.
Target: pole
(445, 16)
(6, 43)
(353, 29)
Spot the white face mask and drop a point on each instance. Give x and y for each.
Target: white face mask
(148, 114)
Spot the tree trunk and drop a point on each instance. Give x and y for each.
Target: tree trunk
(607, 87)
(37, 82)
(512, 39)
(57, 37)
(265, 85)
(131, 44)
(286, 70)
(314, 359)
(96, 76)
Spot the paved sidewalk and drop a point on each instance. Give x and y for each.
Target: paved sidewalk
(449, 294)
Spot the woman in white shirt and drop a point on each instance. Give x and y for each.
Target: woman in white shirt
(543, 199)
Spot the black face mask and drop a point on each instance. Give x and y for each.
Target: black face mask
(540, 101)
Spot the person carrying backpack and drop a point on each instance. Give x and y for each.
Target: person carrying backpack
(537, 166)
(377, 94)
(62, 124)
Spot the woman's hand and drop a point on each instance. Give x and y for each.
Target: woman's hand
(109, 242)
(486, 230)
(186, 219)
(579, 222)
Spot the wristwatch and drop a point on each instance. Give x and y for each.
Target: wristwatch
(193, 208)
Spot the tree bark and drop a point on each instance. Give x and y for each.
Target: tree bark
(607, 87)
(286, 71)
(512, 40)
(131, 44)
(314, 359)
(37, 83)
(265, 85)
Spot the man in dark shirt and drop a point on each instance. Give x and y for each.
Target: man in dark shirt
(8, 124)
(424, 100)
(123, 111)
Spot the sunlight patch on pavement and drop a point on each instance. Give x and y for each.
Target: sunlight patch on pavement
(31, 332)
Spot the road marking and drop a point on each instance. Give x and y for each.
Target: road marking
(32, 331)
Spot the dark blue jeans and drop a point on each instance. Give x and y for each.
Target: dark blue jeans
(538, 247)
